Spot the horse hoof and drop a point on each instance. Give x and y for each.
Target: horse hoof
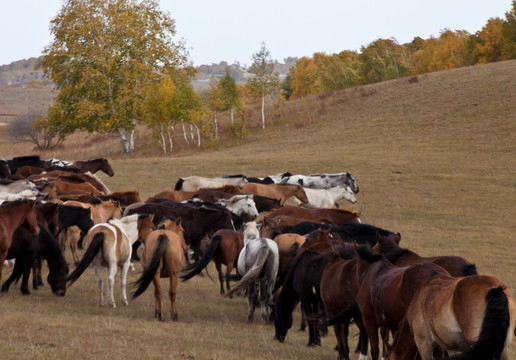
(5, 289)
(25, 292)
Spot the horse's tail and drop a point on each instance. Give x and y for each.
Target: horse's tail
(179, 184)
(144, 281)
(208, 254)
(253, 273)
(345, 316)
(469, 269)
(81, 239)
(493, 334)
(89, 255)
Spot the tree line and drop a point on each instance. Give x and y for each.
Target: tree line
(115, 64)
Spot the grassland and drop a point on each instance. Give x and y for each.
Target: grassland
(434, 157)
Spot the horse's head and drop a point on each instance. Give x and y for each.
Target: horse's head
(106, 168)
(251, 231)
(56, 280)
(351, 182)
(348, 194)
(282, 323)
(145, 225)
(301, 194)
(242, 205)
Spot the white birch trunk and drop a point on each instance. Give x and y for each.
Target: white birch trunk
(184, 133)
(263, 111)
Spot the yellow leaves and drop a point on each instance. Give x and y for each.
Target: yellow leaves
(489, 42)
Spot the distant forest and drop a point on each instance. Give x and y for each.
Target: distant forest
(22, 73)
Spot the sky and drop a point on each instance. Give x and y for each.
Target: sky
(233, 30)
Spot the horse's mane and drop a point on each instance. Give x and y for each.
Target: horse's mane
(13, 203)
(364, 251)
(391, 249)
(91, 161)
(234, 176)
(343, 250)
(229, 189)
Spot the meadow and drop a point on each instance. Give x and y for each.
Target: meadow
(434, 157)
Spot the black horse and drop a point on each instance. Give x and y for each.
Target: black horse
(26, 248)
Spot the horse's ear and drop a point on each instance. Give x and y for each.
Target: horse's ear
(375, 249)
(397, 238)
(178, 221)
(259, 226)
(356, 247)
(378, 238)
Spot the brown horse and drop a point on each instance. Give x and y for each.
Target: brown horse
(385, 293)
(455, 265)
(12, 215)
(339, 288)
(276, 191)
(337, 216)
(473, 315)
(94, 165)
(224, 248)
(162, 257)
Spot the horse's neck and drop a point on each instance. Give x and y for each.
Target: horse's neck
(129, 228)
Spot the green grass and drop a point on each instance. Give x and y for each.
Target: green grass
(434, 160)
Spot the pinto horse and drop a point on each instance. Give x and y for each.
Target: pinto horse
(324, 181)
(276, 191)
(162, 257)
(473, 315)
(455, 265)
(385, 293)
(224, 247)
(258, 264)
(111, 247)
(12, 215)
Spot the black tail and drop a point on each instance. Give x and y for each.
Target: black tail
(197, 267)
(91, 252)
(469, 269)
(144, 281)
(345, 316)
(491, 342)
(179, 184)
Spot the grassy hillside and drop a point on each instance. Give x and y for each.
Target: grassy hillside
(434, 159)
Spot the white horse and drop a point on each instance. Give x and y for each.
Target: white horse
(242, 205)
(111, 247)
(325, 198)
(324, 181)
(194, 183)
(258, 264)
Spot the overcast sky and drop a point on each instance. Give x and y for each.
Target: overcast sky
(232, 30)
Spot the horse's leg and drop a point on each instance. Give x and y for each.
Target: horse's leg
(310, 308)
(362, 340)
(16, 273)
(341, 342)
(37, 280)
(264, 300)
(100, 283)
(218, 266)
(26, 268)
(74, 238)
(123, 281)
(372, 334)
(172, 295)
(110, 284)
(253, 297)
(158, 307)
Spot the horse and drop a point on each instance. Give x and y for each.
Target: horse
(5, 172)
(241, 204)
(16, 186)
(336, 216)
(194, 182)
(265, 204)
(162, 256)
(31, 160)
(338, 289)
(276, 191)
(26, 247)
(94, 165)
(302, 284)
(455, 265)
(12, 215)
(324, 181)
(473, 315)
(385, 293)
(327, 198)
(353, 232)
(100, 213)
(258, 264)
(197, 221)
(111, 247)
(224, 247)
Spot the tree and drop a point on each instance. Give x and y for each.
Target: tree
(229, 93)
(489, 42)
(383, 59)
(104, 56)
(264, 80)
(34, 128)
(509, 34)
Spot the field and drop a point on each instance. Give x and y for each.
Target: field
(434, 157)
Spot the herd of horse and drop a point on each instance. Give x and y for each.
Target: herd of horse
(285, 235)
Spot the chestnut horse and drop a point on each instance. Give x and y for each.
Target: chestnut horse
(276, 191)
(455, 265)
(385, 293)
(337, 216)
(12, 215)
(224, 248)
(473, 315)
(162, 257)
